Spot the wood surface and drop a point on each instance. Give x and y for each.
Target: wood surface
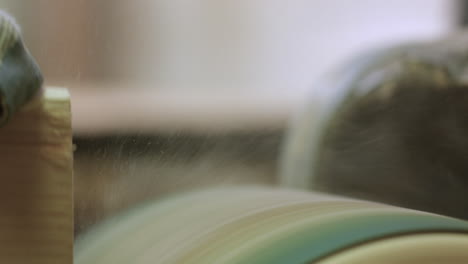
(113, 108)
(36, 202)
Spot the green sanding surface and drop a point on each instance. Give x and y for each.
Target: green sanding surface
(251, 225)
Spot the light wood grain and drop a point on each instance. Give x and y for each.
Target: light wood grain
(36, 204)
(110, 108)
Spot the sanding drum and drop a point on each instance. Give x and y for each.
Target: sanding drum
(259, 225)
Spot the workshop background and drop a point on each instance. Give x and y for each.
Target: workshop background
(175, 95)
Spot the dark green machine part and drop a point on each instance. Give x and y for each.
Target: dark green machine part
(20, 77)
(393, 128)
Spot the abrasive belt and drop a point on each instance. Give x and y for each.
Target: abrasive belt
(271, 226)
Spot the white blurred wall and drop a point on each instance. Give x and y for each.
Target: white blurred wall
(310, 37)
(267, 45)
(206, 45)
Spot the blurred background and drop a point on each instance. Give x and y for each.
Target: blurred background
(171, 95)
(249, 59)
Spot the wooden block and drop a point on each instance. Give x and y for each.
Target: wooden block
(36, 198)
